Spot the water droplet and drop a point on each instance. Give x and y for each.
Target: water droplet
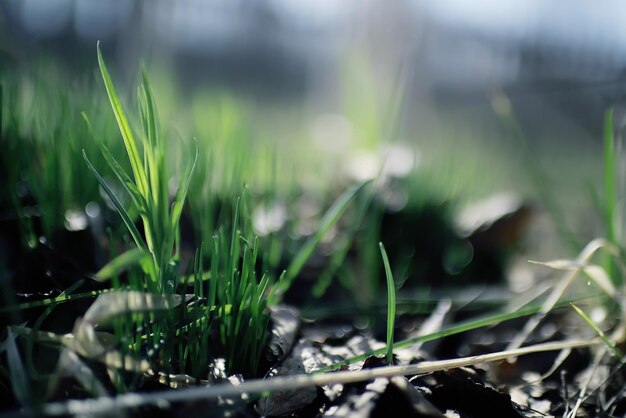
(75, 220)
(92, 209)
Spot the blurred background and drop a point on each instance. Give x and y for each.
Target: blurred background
(483, 96)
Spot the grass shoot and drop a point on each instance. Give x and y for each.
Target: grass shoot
(391, 303)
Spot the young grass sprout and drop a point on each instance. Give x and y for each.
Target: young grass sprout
(391, 303)
(148, 189)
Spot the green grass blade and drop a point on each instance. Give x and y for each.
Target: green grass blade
(328, 221)
(119, 172)
(609, 176)
(126, 181)
(150, 110)
(197, 273)
(53, 301)
(472, 324)
(125, 130)
(143, 117)
(213, 283)
(605, 339)
(154, 159)
(178, 204)
(120, 263)
(391, 303)
(234, 253)
(118, 205)
(611, 195)
(337, 258)
(183, 188)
